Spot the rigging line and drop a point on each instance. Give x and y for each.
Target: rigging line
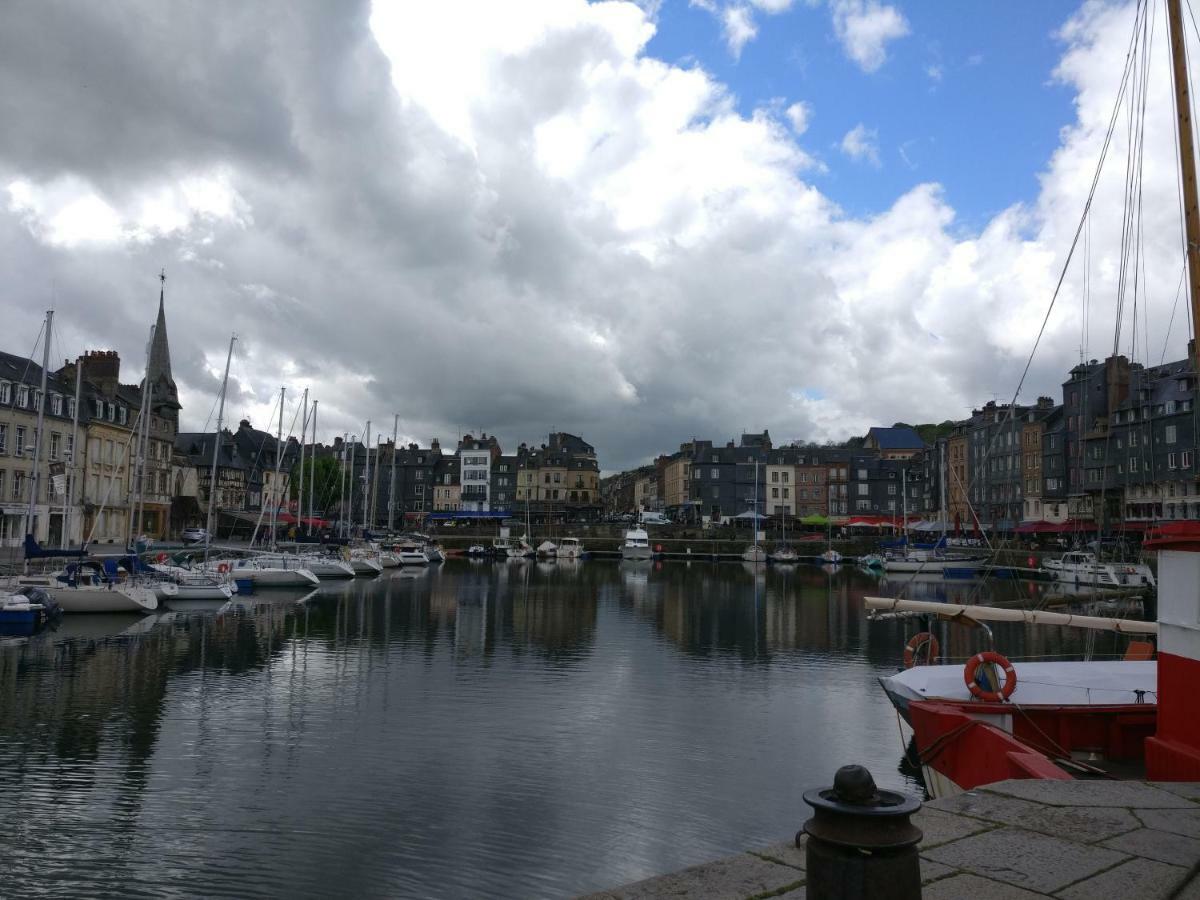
(1130, 59)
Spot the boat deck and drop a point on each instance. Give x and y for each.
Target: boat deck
(1014, 839)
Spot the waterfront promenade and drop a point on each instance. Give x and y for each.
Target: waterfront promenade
(1013, 840)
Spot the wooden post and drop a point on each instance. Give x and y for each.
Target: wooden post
(1187, 159)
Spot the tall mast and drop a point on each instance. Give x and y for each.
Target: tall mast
(277, 491)
(212, 479)
(312, 469)
(37, 439)
(943, 501)
(300, 485)
(1187, 159)
(366, 476)
(144, 439)
(74, 457)
(133, 465)
(342, 488)
(392, 478)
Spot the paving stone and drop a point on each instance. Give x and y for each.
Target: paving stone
(941, 827)
(1144, 879)
(961, 886)
(1176, 821)
(1035, 861)
(1161, 845)
(1188, 789)
(1077, 823)
(732, 878)
(785, 852)
(1130, 794)
(932, 871)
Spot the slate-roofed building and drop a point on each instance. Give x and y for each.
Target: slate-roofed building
(897, 442)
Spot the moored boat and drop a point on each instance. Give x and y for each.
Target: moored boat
(636, 544)
(570, 548)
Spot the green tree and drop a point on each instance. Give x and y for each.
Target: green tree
(326, 477)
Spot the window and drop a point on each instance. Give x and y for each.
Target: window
(1, 482)
(71, 407)
(1133, 439)
(784, 476)
(22, 398)
(775, 477)
(862, 474)
(1133, 464)
(1185, 459)
(1171, 461)
(863, 489)
(5, 392)
(1170, 404)
(3, 438)
(55, 445)
(862, 505)
(19, 450)
(112, 412)
(18, 485)
(714, 473)
(56, 404)
(785, 493)
(1169, 434)
(420, 476)
(716, 493)
(774, 493)
(892, 490)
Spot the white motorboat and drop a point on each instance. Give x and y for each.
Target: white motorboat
(547, 548)
(636, 545)
(570, 548)
(500, 546)
(411, 553)
(434, 553)
(1085, 569)
(831, 556)
(477, 550)
(754, 554)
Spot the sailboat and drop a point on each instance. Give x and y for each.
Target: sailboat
(783, 552)
(755, 553)
(1076, 719)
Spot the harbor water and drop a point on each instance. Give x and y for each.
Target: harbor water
(475, 729)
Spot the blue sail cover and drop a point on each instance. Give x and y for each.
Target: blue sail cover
(33, 550)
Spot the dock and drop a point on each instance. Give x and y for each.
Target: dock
(1017, 840)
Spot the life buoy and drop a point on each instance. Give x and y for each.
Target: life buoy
(223, 568)
(921, 650)
(990, 656)
(162, 558)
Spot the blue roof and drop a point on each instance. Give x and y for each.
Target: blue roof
(896, 439)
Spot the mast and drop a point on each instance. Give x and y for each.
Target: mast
(1187, 161)
(366, 476)
(37, 440)
(133, 466)
(300, 485)
(755, 521)
(212, 481)
(278, 486)
(392, 478)
(144, 439)
(944, 503)
(312, 470)
(74, 456)
(342, 487)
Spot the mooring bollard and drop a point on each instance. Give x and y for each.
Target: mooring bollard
(861, 843)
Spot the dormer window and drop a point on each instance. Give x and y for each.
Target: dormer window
(112, 412)
(22, 396)
(56, 404)
(5, 392)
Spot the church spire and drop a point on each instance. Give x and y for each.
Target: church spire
(158, 374)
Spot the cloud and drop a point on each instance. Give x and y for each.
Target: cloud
(799, 114)
(521, 220)
(934, 72)
(739, 27)
(861, 144)
(864, 28)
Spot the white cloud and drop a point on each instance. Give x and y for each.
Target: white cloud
(799, 114)
(772, 7)
(739, 27)
(864, 28)
(861, 144)
(934, 72)
(535, 210)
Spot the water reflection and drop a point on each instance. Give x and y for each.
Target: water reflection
(484, 729)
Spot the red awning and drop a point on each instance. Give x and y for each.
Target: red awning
(289, 519)
(1178, 535)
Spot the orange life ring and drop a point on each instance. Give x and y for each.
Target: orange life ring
(223, 568)
(923, 643)
(1010, 676)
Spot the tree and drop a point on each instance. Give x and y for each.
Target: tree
(327, 479)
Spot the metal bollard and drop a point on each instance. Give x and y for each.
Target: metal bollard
(861, 843)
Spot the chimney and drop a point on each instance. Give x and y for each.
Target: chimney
(1116, 377)
(103, 369)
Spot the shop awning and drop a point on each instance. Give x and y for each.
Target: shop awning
(814, 519)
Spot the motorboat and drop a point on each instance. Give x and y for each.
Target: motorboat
(547, 549)
(434, 552)
(410, 553)
(477, 550)
(500, 546)
(1082, 568)
(831, 556)
(636, 544)
(27, 611)
(570, 548)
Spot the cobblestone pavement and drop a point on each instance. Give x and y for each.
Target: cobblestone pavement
(1014, 839)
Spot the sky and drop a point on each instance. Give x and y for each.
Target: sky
(637, 222)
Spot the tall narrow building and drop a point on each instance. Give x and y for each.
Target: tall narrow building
(165, 395)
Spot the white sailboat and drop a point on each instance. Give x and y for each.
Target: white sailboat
(1084, 569)
(754, 553)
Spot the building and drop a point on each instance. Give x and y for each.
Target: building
(20, 398)
(898, 442)
(447, 489)
(674, 483)
(231, 500)
(475, 458)
(560, 481)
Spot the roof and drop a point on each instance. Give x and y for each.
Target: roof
(896, 439)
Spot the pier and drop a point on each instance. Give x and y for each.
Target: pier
(1018, 840)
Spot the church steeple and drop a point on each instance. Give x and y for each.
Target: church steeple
(166, 395)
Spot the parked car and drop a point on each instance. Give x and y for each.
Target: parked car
(194, 535)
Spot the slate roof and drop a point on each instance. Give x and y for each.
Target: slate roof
(896, 439)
